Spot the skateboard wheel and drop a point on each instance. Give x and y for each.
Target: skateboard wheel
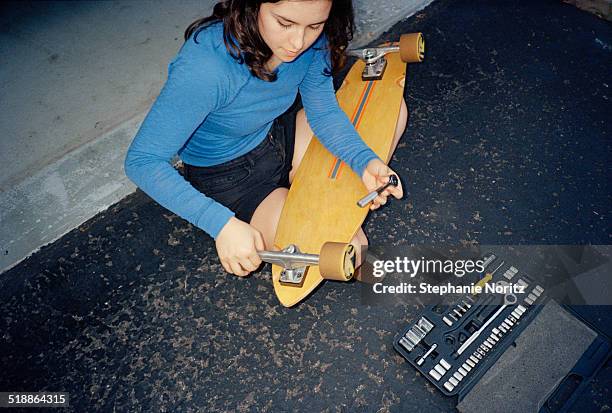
(337, 261)
(412, 47)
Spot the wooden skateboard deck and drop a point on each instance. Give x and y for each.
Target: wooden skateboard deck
(321, 204)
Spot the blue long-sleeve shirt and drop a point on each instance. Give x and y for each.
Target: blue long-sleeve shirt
(212, 109)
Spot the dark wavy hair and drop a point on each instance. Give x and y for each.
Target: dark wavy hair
(245, 44)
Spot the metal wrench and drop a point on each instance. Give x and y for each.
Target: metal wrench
(372, 195)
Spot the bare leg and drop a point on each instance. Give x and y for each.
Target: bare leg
(266, 216)
(303, 134)
(400, 126)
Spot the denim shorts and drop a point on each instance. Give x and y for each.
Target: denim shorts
(243, 183)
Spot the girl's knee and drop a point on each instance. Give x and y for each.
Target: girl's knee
(303, 135)
(402, 120)
(363, 240)
(266, 216)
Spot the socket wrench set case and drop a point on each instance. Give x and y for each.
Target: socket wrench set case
(453, 346)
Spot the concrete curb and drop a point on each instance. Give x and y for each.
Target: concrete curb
(64, 194)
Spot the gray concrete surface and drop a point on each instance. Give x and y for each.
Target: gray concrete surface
(80, 78)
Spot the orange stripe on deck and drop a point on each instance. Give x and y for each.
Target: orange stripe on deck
(365, 88)
(331, 170)
(339, 170)
(360, 115)
(366, 105)
(363, 109)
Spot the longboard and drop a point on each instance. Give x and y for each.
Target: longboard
(321, 203)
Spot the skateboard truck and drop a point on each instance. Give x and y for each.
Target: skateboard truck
(292, 260)
(336, 262)
(411, 48)
(375, 62)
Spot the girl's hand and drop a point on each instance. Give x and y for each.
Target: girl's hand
(376, 175)
(237, 245)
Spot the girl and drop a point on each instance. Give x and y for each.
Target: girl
(226, 109)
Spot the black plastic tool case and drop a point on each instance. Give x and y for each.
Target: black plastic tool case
(458, 379)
